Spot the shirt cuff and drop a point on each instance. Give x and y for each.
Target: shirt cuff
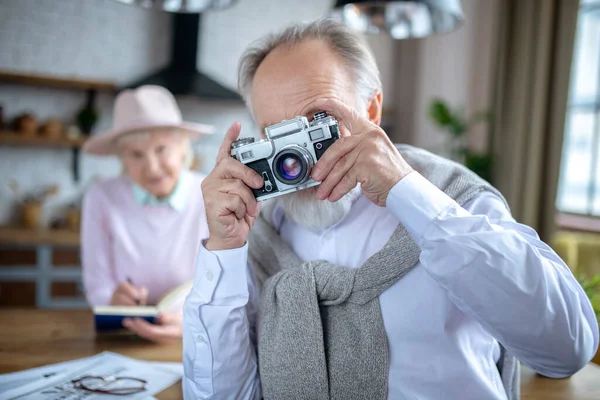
(416, 203)
(221, 274)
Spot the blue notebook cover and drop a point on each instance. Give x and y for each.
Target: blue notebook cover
(108, 318)
(115, 322)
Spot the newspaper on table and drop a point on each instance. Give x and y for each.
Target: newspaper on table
(55, 381)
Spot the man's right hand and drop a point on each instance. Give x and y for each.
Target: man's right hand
(230, 205)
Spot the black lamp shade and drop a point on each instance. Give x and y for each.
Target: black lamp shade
(402, 19)
(181, 6)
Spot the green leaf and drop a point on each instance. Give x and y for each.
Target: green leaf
(591, 286)
(457, 127)
(442, 116)
(595, 299)
(440, 113)
(479, 163)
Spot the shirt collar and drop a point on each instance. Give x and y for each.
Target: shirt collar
(176, 200)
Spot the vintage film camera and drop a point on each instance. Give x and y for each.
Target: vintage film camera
(285, 158)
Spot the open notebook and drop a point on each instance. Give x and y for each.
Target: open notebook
(111, 317)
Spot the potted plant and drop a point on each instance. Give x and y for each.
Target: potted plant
(31, 205)
(72, 216)
(457, 127)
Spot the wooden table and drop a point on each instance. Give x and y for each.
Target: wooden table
(32, 338)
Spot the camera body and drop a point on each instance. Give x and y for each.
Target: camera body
(285, 158)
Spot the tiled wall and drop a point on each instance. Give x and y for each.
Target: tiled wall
(103, 39)
(86, 38)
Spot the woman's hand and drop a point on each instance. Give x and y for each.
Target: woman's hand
(127, 294)
(168, 327)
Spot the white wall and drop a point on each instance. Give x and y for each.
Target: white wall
(103, 39)
(227, 33)
(458, 67)
(97, 39)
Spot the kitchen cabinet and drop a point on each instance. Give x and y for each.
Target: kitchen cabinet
(51, 285)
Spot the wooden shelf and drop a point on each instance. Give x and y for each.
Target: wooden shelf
(58, 82)
(13, 139)
(22, 236)
(90, 86)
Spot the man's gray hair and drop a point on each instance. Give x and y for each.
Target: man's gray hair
(350, 47)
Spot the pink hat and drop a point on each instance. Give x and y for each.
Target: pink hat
(147, 107)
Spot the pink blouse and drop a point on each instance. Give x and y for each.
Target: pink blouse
(154, 246)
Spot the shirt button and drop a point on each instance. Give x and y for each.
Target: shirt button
(209, 276)
(201, 338)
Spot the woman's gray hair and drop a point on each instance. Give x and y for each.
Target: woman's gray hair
(350, 47)
(145, 135)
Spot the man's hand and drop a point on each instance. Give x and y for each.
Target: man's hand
(127, 294)
(367, 157)
(168, 327)
(230, 205)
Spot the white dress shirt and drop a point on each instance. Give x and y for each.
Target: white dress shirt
(482, 279)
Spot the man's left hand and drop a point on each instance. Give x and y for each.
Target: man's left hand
(168, 327)
(367, 157)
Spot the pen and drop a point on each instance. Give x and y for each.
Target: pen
(137, 301)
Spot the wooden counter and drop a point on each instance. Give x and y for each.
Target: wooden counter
(30, 237)
(32, 338)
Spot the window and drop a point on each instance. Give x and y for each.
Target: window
(579, 185)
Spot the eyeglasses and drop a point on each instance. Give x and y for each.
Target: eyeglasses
(121, 386)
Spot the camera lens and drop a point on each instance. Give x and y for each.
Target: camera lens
(291, 165)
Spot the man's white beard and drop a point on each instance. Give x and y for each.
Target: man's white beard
(317, 215)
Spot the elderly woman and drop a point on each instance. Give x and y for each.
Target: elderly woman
(141, 230)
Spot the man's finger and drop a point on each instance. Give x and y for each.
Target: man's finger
(346, 184)
(337, 174)
(234, 204)
(231, 136)
(249, 220)
(237, 187)
(349, 116)
(332, 155)
(233, 169)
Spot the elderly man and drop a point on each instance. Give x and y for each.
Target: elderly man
(426, 287)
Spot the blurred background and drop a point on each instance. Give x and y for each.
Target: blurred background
(513, 92)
